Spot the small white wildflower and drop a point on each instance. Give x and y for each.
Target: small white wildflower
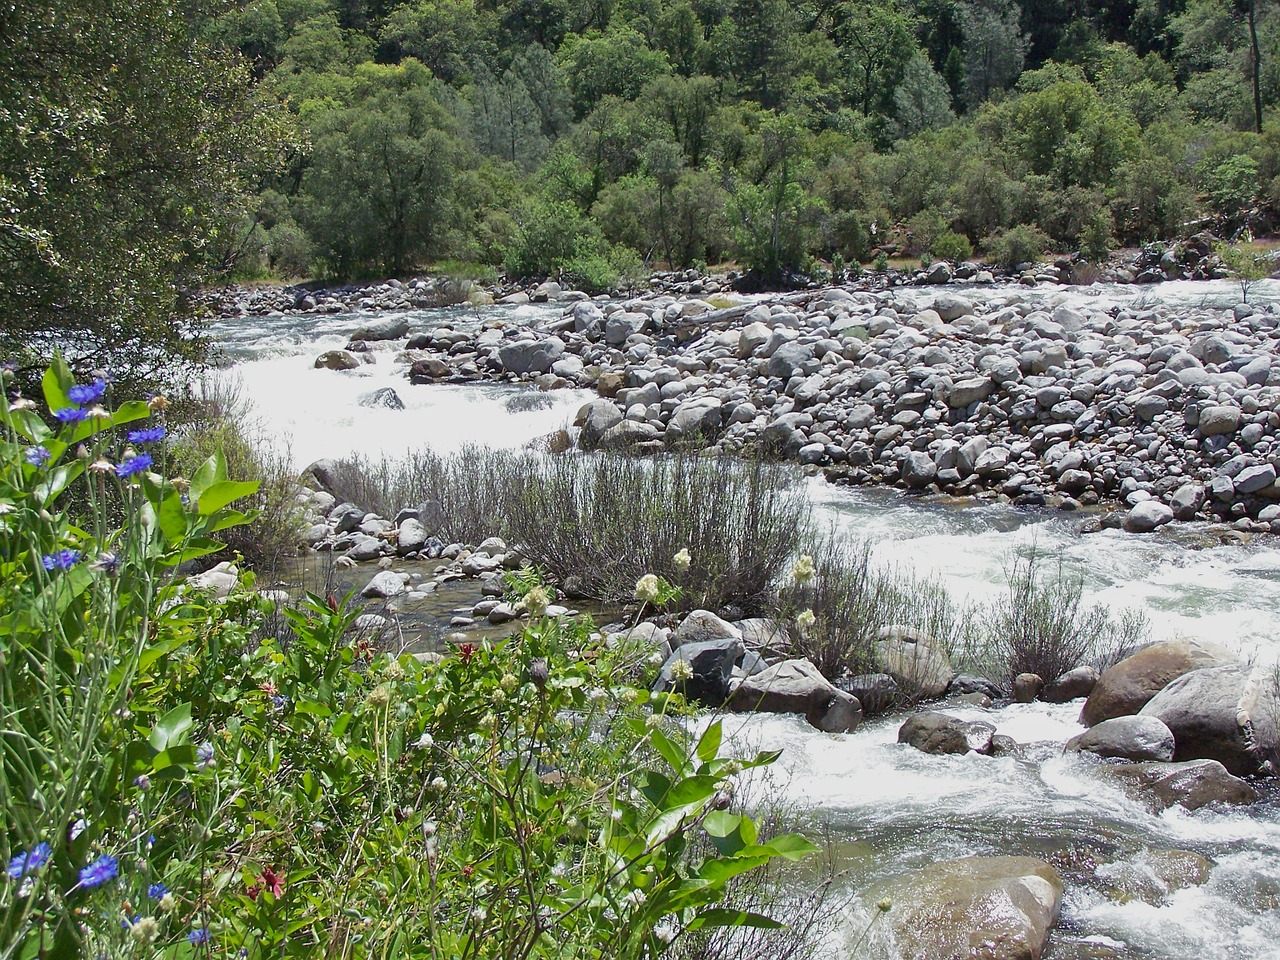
(665, 931)
(379, 696)
(629, 695)
(145, 930)
(596, 695)
(681, 671)
(559, 869)
(429, 828)
(168, 903)
(499, 697)
(425, 742)
(656, 659)
(634, 899)
(616, 814)
(653, 721)
(393, 672)
(806, 620)
(536, 601)
(647, 589)
(509, 682)
(682, 560)
(804, 569)
(478, 914)
(439, 784)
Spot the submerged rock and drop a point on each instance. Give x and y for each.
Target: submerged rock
(1192, 785)
(941, 733)
(977, 908)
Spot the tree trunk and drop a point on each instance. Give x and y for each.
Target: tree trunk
(1257, 66)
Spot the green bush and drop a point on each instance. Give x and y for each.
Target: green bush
(952, 246)
(1018, 245)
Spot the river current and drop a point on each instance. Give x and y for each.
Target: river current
(887, 808)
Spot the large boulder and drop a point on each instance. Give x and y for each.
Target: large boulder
(977, 908)
(627, 434)
(383, 328)
(1125, 688)
(1192, 785)
(530, 356)
(797, 686)
(1226, 713)
(337, 360)
(941, 733)
(1126, 738)
(877, 692)
(1071, 685)
(709, 667)
(915, 660)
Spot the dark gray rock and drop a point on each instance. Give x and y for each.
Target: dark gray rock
(940, 733)
(711, 663)
(1126, 738)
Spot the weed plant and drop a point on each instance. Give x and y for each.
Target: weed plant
(179, 780)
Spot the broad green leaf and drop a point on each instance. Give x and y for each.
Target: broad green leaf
(219, 494)
(709, 742)
(792, 846)
(725, 868)
(691, 791)
(669, 751)
(55, 384)
(207, 474)
(172, 729)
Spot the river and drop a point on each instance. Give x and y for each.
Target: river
(888, 808)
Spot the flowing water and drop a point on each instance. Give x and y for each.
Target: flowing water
(888, 808)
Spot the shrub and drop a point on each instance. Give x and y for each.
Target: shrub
(1095, 236)
(851, 601)
(608, 520)
(1017, 245)
(219, 418)
(1042, 625)
(952, 246)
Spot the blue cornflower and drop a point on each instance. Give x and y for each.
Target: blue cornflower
(149, 435)
(70, 414)
(107, 563)
(279, 701)
(133, 465)
(88, 393)
(157, 890)
(126, 923)
(25, 863)
(204, 756)
(37, 456)
(102, 870)
(199, 936)
(62, 560)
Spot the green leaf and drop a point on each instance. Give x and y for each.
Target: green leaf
(709, 743)
(219, 494)
(726, 868)
(55, 384)
(207, 474)
(725, 917)
(669, 751)
(689, 792)
(172, 728)
(792, 846)
(654, 786)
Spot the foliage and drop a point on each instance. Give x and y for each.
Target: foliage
(185, 774)
(1248, 266)
(1021, 244)
(126, 156)
(1042, 626)
(953, 246)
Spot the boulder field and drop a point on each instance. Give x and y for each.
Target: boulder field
(1166, 413)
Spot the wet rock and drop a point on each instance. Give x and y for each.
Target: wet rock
(711, 663)
(428, 370)
(337, 360)
(940, 733)
(1147, 516)
(1026, 687)
(1153, 875)
(965, 683)
(597, 418)
(530, 356)
(411, 536)
(1071, 685)
(1126, 738)
(918, 469)
(1127, 687)
(627, 435)
(915, 660)
(384, 398)
(383, 328)
(977, 908)
(1227, 713)
(877, 692)
(797, 686)
(1192, 785)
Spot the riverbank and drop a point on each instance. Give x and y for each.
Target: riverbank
(1010, 392)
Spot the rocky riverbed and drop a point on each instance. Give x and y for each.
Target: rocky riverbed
(1167, 413)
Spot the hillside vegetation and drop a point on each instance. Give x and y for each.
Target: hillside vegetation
(588, 137)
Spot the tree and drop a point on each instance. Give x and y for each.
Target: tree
(378, 196)
(127, 147)
(446, 35)
(877, 40)
(616, 63)
(921, 100)
(756, 42)
(503, 118)
(994, 47)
